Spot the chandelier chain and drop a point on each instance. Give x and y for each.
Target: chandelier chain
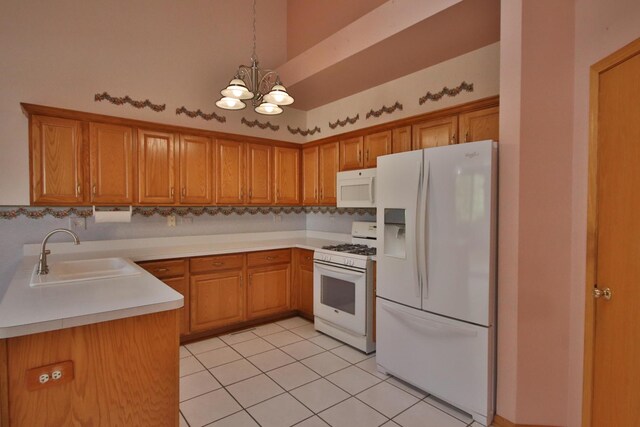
(254, 29)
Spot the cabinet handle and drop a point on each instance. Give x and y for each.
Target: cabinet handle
(466, 137)
(161, 270)
(79, 189)
(241, 280)
(173, 191)
(250, 193)
(278, 193)
(184, 191)
(453, 139)
(217, 264)
(94, 190)
(270, 257)
(367, 154)
(359, 155)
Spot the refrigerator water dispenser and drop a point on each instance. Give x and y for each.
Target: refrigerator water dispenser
(394, 233)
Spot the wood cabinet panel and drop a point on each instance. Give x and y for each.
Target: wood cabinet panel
(111, 163)
(435, 133)
(259, 174)
(310, 174)
(401, 139)
(165, 268)
(217, 299)
(230, 173)
(268, 257)
(329, 158)
(196, 170)
(480, 125)
(377, 144)
(306, 289)
(156, 168)
(181, 285)
(351, 156)
(269, 290)
(287, 176)
(216, 263)
(56, 161)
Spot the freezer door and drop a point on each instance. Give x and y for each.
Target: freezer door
(460, 234)
(398, 192)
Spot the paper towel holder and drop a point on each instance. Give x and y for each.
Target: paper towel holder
(112, 216)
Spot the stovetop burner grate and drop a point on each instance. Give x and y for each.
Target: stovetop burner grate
(351, 248)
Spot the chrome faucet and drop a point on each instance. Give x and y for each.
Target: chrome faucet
(43, 268)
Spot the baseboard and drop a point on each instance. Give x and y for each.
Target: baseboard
(499, 421)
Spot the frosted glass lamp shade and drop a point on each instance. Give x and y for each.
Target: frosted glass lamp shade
(278, 96)
(229, 103)
(237, 89)
(268, 109)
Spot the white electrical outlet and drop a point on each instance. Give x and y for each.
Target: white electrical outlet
(43, 378)
(277, 218)
(171, 221)
(77, 223)
(56, 375)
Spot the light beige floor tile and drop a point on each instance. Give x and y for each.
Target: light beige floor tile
(209, 407)
(217, 357)
(190, 365)
(425, 415)
(444, 406)
(268, 329)
(293, 375)
(353, 380)
(319, 395)
(369, 365)
(306, 331)
(325, 363)
(390, 423)
(350, 354)
(183, 422)
(237, 337)
(205, 345)
(184, 352)
(280, 411)
(325, 342)
(302, 349)
(352, 413)
(283, 338)
(254, 390)
(239, 419)
(196, 384)
(233, 372)
(271, 359)
(387, 399)
(314, 421)
(407, 387)
(251, 347)
(293, 322)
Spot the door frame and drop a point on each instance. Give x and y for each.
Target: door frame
(597, 69)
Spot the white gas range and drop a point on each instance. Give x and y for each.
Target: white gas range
(343, 288)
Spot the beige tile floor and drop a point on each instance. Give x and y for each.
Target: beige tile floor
(287, 374)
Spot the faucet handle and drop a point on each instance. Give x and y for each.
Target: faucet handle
(47, 252)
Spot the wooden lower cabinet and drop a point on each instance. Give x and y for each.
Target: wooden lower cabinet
(269, 290)
(303, 282)
(181, 285)
(218, 299)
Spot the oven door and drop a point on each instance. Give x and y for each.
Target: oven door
(340, 296)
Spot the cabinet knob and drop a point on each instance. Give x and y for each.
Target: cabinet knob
(161, 270)
(94, 190)
(217, 263)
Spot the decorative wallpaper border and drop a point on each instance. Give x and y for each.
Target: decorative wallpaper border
(128, 100)
(384, 109)
(55, 212)
(304, 132)
(255, 123)
(342, 123)
(200, 113)
(464, 86)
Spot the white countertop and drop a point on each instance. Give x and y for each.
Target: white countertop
(25, 310)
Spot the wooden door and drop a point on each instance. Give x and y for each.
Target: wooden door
(56, 161)
(259, 174)
(196, 170)
(377, 144)
(435, 133)
(156, 168)
(351, 156)
(287, 176)
(310, 190)
(230, 174)
(181, 285)
(306, 289)
(327, 170)
(480, 125)
(111, 160)
(217, 299)
(612, 372)
(269, 290)
(401, 139)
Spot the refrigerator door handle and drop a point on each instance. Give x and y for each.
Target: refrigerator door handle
(418, 286)
(434, 328)
(423, 230)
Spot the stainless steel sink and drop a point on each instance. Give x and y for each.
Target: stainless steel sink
(84, 270)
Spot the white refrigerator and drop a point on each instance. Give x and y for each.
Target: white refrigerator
(436, 286)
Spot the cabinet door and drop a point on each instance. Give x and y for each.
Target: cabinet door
(217, 300)
(351, 156)
(229, 172)
(328, 168)
(287, 176)
(377, 144)
(310, 176)
(111, 160)
(156, 168)
(56, 161)
(435, 133)
(181, 285)
(480, 125)
(401, 139)
(306, 289)
(259, 173)
(196, 170)
(269, 290)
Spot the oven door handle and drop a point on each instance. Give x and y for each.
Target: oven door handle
(347, 272)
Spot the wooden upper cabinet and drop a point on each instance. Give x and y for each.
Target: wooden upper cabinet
(310, 190)
(401, 139)
(259, 174)
(196, 170)
(156, 167)
(327, 170)
(377, 144)
(230, 173)
(480, 125)
(56, 161)
(435, 133)
(111, 163)
(287, 176)
(351, 153)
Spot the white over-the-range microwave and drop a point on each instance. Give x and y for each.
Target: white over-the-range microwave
(356, 189)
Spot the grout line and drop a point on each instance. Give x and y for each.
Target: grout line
(183, 417)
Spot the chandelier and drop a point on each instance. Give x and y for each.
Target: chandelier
(261, 86)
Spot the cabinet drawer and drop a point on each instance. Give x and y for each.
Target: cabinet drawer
(216, 263)
(305, 258)
(164, 269)
(268, 257)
